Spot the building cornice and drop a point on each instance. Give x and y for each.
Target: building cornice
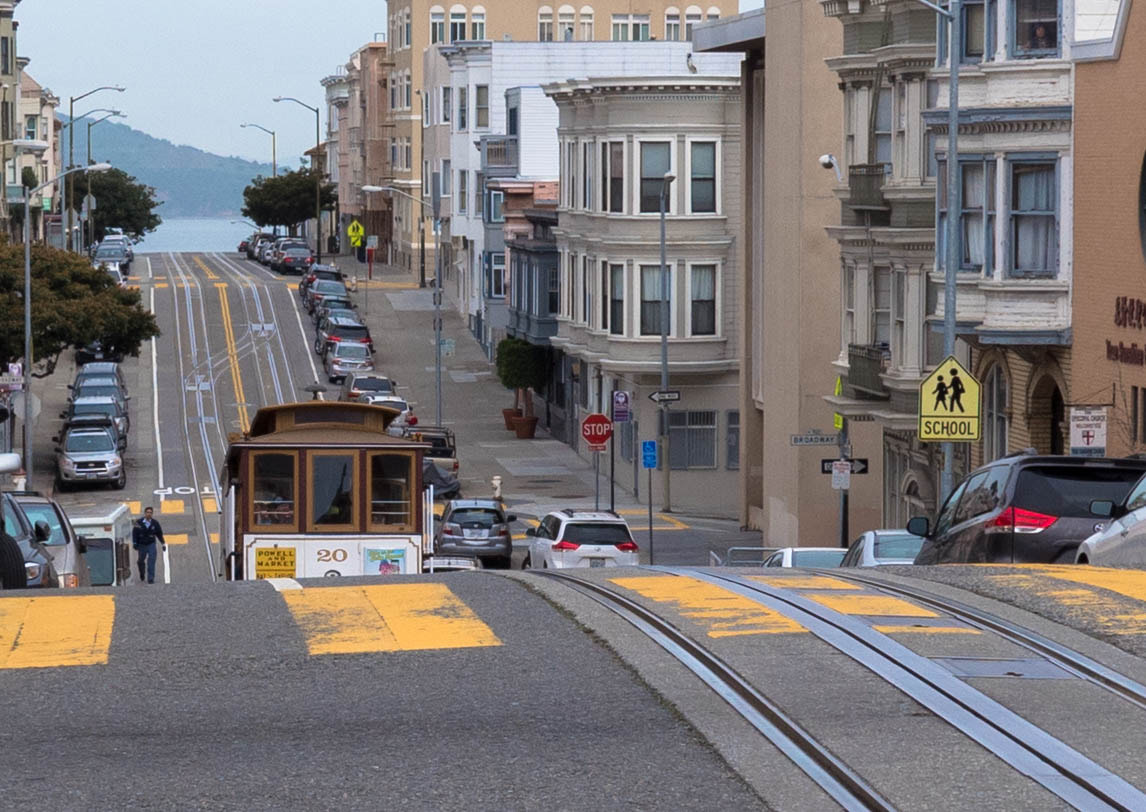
(980, 120)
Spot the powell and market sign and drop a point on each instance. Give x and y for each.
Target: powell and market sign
(1128, 312)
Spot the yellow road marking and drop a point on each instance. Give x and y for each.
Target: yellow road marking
(1131, 583)
(233, 356)
(214, 537)
(372, 285)
(439, 509)
(390, 617)
(925, 629)
(175, 538)
(803, 582)
(134, 507)
(721, 612)
(669, 522)
(168, 506)
(160, 284)
(875, 605)
(210, 274)
(210, 505)
(55, 631)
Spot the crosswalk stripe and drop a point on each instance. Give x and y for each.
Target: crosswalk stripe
(176, 538)
(872, 606)
(722, 612)
(55, 631)
(385, 618)
(210, 505)
(172, 506)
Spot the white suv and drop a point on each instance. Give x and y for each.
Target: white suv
(581, 538)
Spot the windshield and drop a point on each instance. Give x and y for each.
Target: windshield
(352, 351)
(341, 312)
(87, 390)
(87, 443)
(373, 385)
(95, 408)
(39, 512)
(111, 252)
(898, 545)
(596, 533)
(475, 517)
(356, 331)
(329, 286)
(817, 558)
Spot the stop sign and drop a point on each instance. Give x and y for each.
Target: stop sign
(596, 429)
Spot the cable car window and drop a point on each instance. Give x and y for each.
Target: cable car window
(391, 483)
(273, 478)
(332, 479)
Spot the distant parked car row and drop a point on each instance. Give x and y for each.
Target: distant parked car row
(282, 254)
(114, 254)
(93, 438)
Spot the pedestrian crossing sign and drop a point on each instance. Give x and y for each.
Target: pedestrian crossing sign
(949, 404)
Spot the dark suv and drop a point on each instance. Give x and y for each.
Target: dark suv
(1024, 508)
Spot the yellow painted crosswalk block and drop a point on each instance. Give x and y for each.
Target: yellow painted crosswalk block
(387, 617)
(872, 605)
(210, 505)
(176, 538)
(804, 582)
(723, 613)
(171, 506)
(55, 631)
(134, 507)
(214, 537)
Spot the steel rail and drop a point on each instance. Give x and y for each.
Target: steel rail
(838, 780)
(254, 341)
(1064, 657)
(1049, 761)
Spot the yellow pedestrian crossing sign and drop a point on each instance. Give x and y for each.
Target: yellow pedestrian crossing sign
(949, 404)
(355, 232)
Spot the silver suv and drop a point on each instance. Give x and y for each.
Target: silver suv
(86, 454)
(343, 358)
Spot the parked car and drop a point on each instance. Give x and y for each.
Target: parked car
(242, 249)
(98, 421)
(335, 306)
(321, 289)
(805, 557)
(30, 535)
(113, 255)
(879, 548)
(102, 407)
(1024, 508)
(1119, 539)
(581, 538)
(446, 485)
(345, 357)
(103, 388)
(443, 446)
(475, 527)
(256, 242)
(334, 329)
(293, 259)
(63, 545)
(265, 250)
(101, 369)
(97, 351)
(280, 247)
(119, 239)
(317, 272)
(406, 416)
(367, 384)
(85, 454)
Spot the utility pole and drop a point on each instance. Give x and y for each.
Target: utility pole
(665, 458)
(438, 322)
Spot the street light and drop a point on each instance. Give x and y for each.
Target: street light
(420, 200)
(116, 114)
(71, 142)
(668, 179)
(246, 222)
(28, 307)
(64, 190)
(274, 151)
(317, 175)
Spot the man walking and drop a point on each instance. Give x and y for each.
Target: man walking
(143, 537)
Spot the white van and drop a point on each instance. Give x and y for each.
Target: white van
(108, 540)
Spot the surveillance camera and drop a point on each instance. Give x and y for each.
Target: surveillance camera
(827, 161)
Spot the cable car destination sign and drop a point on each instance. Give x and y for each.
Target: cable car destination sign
(949, 404)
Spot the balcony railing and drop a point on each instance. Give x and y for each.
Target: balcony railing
(499, 154)
(865, 365)
(865, 187)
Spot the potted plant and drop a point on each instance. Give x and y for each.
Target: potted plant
(505, 349)
(521, 367)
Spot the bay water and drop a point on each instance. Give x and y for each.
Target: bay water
(195, 234)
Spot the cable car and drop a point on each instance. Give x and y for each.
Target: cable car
(317, 489)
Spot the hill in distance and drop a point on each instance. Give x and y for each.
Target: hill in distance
(189, 181)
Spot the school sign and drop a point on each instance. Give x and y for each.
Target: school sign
(949, 404)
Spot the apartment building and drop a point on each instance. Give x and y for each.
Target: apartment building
(415, 26)
(789, 292)
(885, 234)
(1109, 368)
(467, 143)
(618, 137)
(36, 120)
(9, 95)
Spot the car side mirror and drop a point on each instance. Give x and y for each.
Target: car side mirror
(1102, 507)
(531, 532)
(43, 532)
(80, 546)
(63, 415)
(510, 519)
(919, 526)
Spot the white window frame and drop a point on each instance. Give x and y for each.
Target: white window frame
(457, 11)
(437, 25)
(445, 172)
(478, 107)
(672, 24)
(692, 16)
(566, 19)
(588, 152)
(406, 27)
(585, 24)
(462, 114)
(461, 206)
(635, 310)
(604, 190)
(626, 298)
(545, 18)
(635, 166)
(718, 314)
(717, 167)
(447, 104)
(477, 23)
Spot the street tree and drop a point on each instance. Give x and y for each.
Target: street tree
(287, 200)
(73, 304)
(121, 202)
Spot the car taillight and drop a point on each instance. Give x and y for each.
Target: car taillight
(412, 420)
(1018, 520)
(309, 260)
(70, 580)
(353, 393)
(566, 545)
(455, 466)
(503, 530)
(628, 547)
(453, 529)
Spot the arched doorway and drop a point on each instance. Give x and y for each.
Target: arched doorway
(1048, 417)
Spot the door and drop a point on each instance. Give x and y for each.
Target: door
(934, 550)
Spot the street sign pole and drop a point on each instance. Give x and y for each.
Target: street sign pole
(596, 480)
(612, 453)
(843, 491)
(438, 320)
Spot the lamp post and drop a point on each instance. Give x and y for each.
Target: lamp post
(28, 306)
(247, 223)
(71, 143)
(274, 150)
(64, 190)
(317, 175)
(91, 228)
(668, 179)
(422, 189)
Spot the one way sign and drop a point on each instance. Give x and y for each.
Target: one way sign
(859, 465)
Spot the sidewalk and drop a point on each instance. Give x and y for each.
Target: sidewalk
(537, 476)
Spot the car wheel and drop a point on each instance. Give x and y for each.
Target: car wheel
(525, 563)
(1082, 559)
(13, 575)
(120, 483)
(61, 485)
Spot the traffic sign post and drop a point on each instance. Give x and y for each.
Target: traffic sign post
(355, 231)
(665, 396)
(949, 404)
(858, 466)
(596, 430)
(621, 412)
(649, 462)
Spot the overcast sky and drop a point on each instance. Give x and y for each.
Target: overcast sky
(196, 69)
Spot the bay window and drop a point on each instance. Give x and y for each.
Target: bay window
(655, 163)
(617, 299)
(702, 176)
(651, 278)
(702, 300)
(1033, 215)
